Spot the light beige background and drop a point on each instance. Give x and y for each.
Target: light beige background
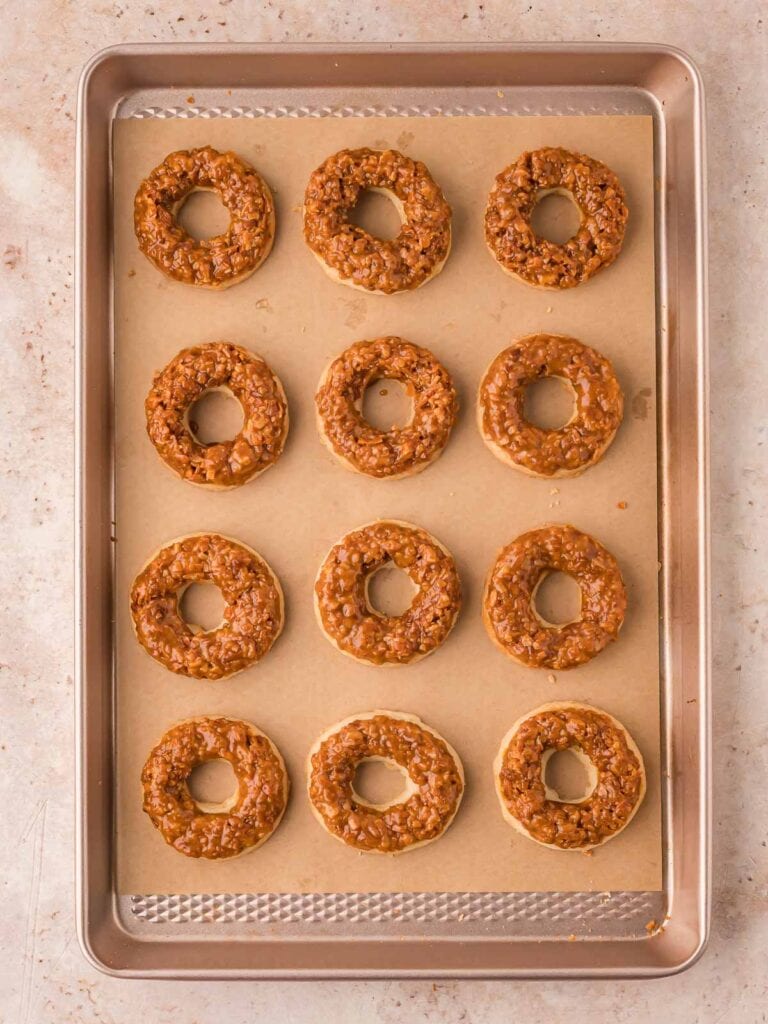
(297, 318)
(43, 976)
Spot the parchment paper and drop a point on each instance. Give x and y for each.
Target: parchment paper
(298, 318)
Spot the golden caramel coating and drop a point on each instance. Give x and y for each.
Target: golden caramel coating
(190, 375)
(400, 451)
(253, 613)
(341, 598)
(597, 409)
(599, 196)
(617, 765)
(215, 832)
(434, 789)
(509, 612)
(216, 262)
(351, 254)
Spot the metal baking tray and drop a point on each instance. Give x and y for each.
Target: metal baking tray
(408, 935)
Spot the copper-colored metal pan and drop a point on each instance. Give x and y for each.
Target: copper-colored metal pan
(469, 935)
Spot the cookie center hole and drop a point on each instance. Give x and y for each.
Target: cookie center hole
(212, 783)
(549, 403)
(558, 599)
(555, 217)
(569, 776)
(215, 417)
(377, 213)
(380, 782)
(390, 591)
(203, 216)
(202, 607)
(387, 405)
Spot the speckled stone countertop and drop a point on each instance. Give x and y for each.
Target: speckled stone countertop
(43, 976)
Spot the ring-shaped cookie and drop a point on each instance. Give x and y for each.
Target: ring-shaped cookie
(234, 826)
(431, 797)
(253, 612)
(400, 451)
(194, 372)
(345, 614)
(216, 262)
(509, 608)
(350, 254)
(599, 197)
(615, 767)
(598, 406)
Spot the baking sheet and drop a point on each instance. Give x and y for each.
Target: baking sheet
(297, 318)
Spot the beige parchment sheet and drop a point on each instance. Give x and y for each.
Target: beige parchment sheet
(298, 318)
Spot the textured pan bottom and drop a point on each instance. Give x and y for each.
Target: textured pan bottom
(558, 913)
